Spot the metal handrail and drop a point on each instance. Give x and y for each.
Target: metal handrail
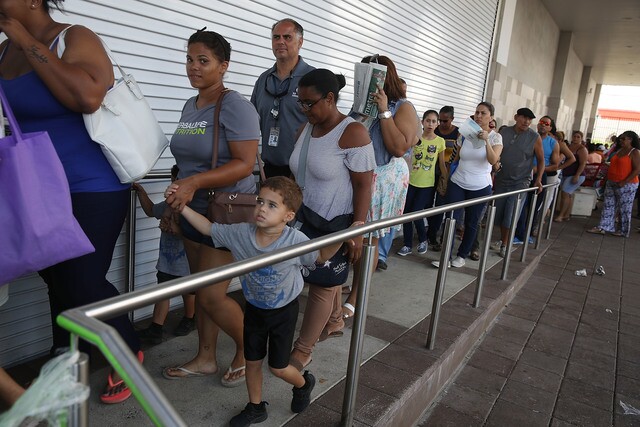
(87, 321)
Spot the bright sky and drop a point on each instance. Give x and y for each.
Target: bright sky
(620, 98)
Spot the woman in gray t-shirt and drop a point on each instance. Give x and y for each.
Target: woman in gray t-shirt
(208, 56)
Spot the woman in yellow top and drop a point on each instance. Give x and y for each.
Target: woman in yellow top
(426, 156)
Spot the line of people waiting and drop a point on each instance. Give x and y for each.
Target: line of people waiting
(351, 174)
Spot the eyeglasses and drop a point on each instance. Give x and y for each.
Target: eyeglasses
(306, 105)
(544, 123)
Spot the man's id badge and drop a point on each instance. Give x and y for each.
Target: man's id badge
(274, 134)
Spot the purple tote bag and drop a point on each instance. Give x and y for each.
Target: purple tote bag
(38, 228)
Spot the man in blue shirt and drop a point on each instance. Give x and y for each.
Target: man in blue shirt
(275, 94)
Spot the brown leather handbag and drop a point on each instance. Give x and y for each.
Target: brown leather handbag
(229, 207)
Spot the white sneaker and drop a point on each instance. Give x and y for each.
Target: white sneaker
(404, 251)
(436, 264)
(458, 262)
(496, 245)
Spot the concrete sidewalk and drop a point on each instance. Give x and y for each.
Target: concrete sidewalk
(545, 347)
(566, 350)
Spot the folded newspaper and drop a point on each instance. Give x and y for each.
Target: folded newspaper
(367, 79)
(470, 130)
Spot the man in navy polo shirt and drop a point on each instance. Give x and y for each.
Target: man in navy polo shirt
(275, 94)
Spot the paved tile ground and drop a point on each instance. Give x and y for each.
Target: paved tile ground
(569, 347)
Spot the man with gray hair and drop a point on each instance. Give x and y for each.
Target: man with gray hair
(275, 94)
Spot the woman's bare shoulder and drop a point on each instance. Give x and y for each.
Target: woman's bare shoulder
(81, 38)
(354, 135)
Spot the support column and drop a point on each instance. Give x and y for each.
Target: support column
(565, 45)
(594, 110)
(585, 101)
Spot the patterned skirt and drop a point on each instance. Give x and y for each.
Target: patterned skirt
(390, 183)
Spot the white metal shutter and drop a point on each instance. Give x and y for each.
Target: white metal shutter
(441, 48)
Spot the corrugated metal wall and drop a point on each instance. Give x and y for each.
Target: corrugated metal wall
(441, 48)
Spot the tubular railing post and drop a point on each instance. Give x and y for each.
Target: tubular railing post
(491, 214)
(131, 246)
(512, 233)
(357, 335)
(79, 413)
(448, 235)
(530, 218)
(541, 214)
(556, 192)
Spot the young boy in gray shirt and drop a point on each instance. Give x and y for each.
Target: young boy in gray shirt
(271, 292)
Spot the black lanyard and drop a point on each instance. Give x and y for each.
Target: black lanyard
(273, 93)
(275, 111)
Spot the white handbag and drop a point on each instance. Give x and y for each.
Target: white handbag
(124, 126)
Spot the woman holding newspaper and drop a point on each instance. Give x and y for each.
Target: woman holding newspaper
(481, 149)
(393, 132)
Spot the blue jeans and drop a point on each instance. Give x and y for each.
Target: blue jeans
(384, 244)
(521, 228)
(524, 214)
(472, 214)
(417, 199)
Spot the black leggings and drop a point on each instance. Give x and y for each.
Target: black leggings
(83, 280)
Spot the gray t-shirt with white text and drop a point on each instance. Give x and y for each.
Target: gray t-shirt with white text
(192, 142)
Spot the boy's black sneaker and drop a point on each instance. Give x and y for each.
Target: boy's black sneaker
(251, 414)
(152, 334)
(185, 326)
(302, 395)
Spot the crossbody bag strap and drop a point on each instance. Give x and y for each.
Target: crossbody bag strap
(260, 167)
(302, 160)
(216, 127)
(216, 135)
